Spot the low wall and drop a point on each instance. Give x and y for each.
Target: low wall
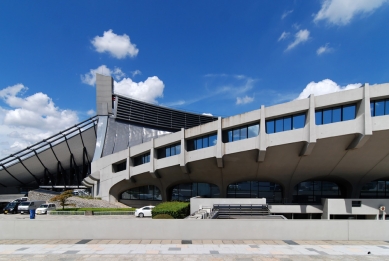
(195, 229)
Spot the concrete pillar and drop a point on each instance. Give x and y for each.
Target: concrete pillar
(311, 125)
(183, 166)
(219, 144)
(262, 135)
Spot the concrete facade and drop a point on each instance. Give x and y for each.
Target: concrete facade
(350, 153)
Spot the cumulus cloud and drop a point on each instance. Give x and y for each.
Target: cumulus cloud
(300, 37)
(135, 73)
(207, 114)
(324, 87)
(286, 13)
(244, 100)
(119, 46)
(283, 36)
(90, 77)
(27, 120)
(324, 49)
(341, 12)
(148, 91)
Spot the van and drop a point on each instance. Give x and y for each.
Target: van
(26, 206)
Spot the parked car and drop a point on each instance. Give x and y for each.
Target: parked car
(11, 207)
(44, 208)
(144, 211)
(26, 206)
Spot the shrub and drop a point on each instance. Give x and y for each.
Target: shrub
(163, 216)
(97, 209)
(178, 210)
(63, 198)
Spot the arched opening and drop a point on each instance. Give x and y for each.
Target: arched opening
(185, 191)
(256, 189)
(313, 191)
(148, 192)
(375, 189)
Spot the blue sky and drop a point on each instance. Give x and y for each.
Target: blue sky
(219, 57)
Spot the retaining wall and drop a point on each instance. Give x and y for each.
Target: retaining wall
(195, 229)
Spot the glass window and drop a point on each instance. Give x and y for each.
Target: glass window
(337, 114)
(372, 108)
(199, 144)
(142, 159)
(256, 189)
(205, 142)
(178, 149)
(319, 117)
(386, 107)
(235, 135)
(279, 125)
(253, 131)
(167, 152)
(183, 192)
(287, 123)
(379, 108)
(375, 189)
(298, 121)
(212, 140)
(243, 133)
(349, 112)
(314, 191)
(327, 116)
(270, 126)
(144, 193)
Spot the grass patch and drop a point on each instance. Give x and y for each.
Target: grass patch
(178, 210)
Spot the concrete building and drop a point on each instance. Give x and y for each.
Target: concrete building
(332, 146)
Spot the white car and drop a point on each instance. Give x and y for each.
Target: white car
(144, 212)
(44, 207)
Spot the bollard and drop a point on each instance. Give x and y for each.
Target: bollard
(32, 213)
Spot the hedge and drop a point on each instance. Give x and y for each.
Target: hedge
(163, 216)
(97, 209)
(178, 210)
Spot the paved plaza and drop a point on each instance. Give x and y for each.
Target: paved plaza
(240, 250)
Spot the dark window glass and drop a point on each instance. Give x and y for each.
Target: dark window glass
(253, 131)
(243, 133)
(379, 108)
(183, 192)
(319, 117)
(279, 125)
(230, 136)
(372, 108)
(199, 144)
(142, 159)
(144, 193)
(337, 114)
(349, 112)
(178, 149)
(212, 140)
(256, 189)
(236, 135)
(298, 121)
(287, 123)
(314, 191)
(167, 151)
(327, 116)
(386, 107)
(205, 142)
(202, 142)
(270, 126)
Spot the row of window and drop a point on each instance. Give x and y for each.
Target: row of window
(169, 151)
(285, 123)
(336, 114)
(304, 192)
(202, 142)
(241, 133)
(379, 107)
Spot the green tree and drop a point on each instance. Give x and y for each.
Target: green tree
(62, 198)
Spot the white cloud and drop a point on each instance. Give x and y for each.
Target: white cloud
(283, 36)
(324, 49)
(207, 114)
(300, 37)
(91, 112)
(147, 91)
(286, 13)
(135, 73)
(324, 87)
(119, 46)
(341, 12)
(27, 120)
(244, 100)
(90, 77)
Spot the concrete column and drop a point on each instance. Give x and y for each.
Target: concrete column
(262, 135)
(153, 160)
(311, 125)
(183, 166)
(364, 111)
(219, 144)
